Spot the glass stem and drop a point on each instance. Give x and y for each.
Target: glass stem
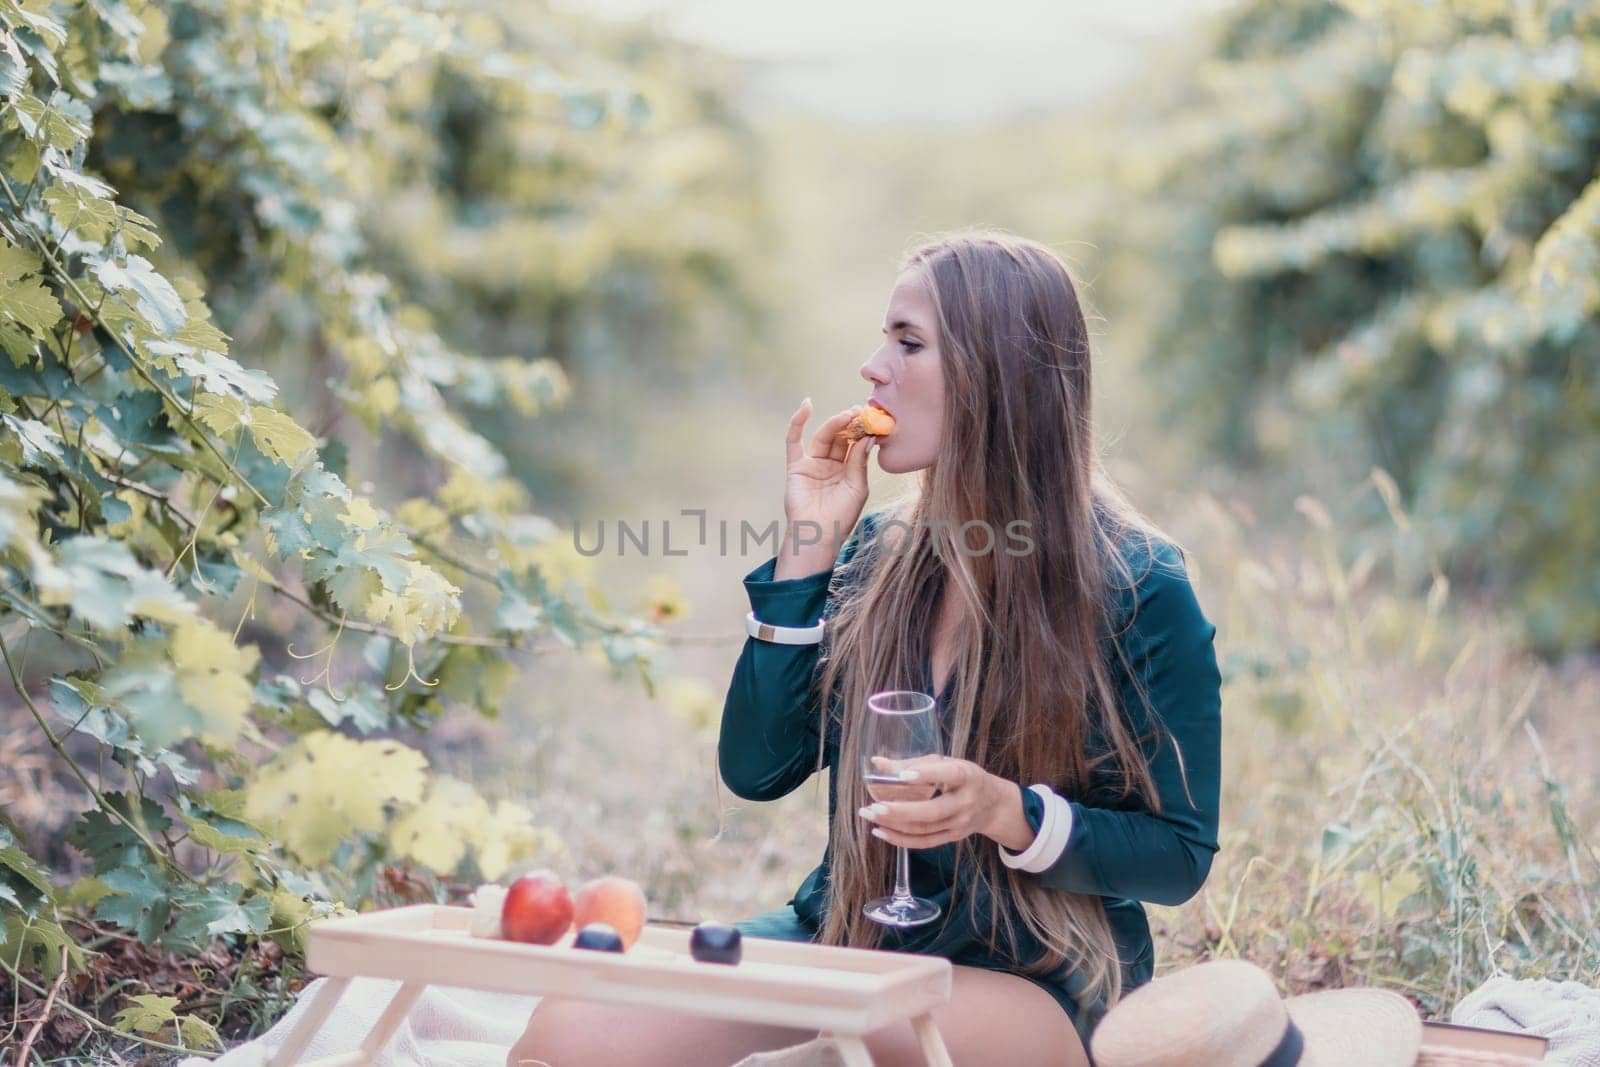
(902, 875)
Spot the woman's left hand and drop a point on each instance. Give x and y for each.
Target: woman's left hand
(965, 804)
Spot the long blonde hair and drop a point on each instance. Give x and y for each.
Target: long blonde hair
(1032, 677)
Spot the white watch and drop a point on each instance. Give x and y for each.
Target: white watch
(783, 635)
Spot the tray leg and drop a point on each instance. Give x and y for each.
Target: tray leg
(852, 1050)
(317, 1014)
(405, 998)
(931, 1040)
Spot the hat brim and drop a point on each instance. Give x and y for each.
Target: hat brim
(1372, 1027)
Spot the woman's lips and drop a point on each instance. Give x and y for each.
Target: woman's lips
(880, 407)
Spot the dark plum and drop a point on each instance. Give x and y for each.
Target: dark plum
(602, 937)
(714, 943)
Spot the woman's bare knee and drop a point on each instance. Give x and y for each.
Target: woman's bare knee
(991, 1017)
(577, 1033)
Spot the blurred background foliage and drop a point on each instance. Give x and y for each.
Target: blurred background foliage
(556, 195)
(495, 270)
(1365, 234)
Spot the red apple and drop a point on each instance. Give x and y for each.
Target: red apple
(537, 909)
(614, 900)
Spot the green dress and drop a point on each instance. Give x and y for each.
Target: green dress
(1117, 850)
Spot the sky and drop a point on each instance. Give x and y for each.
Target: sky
(923, 60)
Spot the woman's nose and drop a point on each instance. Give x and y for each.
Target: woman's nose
(872, 371)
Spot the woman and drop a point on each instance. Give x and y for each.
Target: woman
(1075, 676)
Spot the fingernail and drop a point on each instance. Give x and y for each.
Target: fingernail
(866, 813)
(806, 401)
(910, 776)
(880, 808)
(878, 832)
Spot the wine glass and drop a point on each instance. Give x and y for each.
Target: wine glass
(900, 726)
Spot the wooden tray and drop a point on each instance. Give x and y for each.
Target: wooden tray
(842, 992)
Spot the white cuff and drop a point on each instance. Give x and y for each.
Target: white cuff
(1050, 841)
(783, 635)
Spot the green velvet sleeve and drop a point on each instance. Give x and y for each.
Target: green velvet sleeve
(768, 742)
(1162, 858)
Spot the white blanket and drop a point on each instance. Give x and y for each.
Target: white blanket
(1568, 1013)
(448, 1027)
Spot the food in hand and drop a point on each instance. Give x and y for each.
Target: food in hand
(537, 909)
(616, 901)
(715, 943)
(487, 902)
(872, 420)
(602, 937)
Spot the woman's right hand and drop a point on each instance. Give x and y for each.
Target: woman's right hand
(825, 485)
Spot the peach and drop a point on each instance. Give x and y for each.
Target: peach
(616, 901)
(870, 420)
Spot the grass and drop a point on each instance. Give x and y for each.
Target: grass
(1403, 790)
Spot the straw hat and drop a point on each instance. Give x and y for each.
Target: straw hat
(1227, 1013)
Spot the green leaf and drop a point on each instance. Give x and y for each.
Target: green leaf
(137, 231)
(34, 439)
(23, 165)
(216, 373)
(138, 900)
(477, 677)
(145, 88)
(194, 683)
(139, 419)
(279, 436)
(146, 1013)
(144, 688)
(363, 707)
(197, 1033)
(291, 911)
(34, 943)
(208, 912)
(59, 167)
(514, 614)
(16, 262)
(228, 835)
(30, 305)
(84, 893)
(155, 297)
(77, 703)
(106, 586)
(27, 884)
(435, 832)
(108, 841)
(221, 413)
(87, 216)
(353, 587)
(324, 787)
(21, 347)
(38, 16)
(61, 123)
(13, 69)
